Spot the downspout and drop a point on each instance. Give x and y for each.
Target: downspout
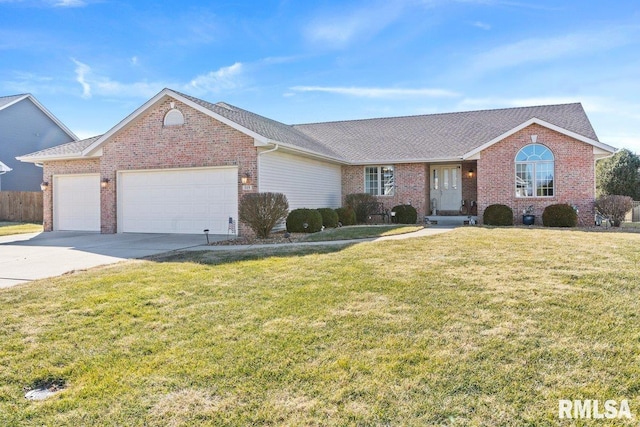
(275, 148)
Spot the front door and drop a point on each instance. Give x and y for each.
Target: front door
(446, 188)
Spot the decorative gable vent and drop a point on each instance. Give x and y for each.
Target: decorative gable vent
(173, 117)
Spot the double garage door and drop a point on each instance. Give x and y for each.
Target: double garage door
(158, 201)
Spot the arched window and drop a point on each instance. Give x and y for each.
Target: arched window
(534, 171)
(173, 118)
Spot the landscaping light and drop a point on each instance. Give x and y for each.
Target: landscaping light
(206, 233)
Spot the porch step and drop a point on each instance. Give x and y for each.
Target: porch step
(450, 219)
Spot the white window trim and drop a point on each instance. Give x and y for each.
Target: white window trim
(380, 192)
(534, 164)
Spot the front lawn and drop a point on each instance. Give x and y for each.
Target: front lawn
(9, 228)
(478, 326)
(361, 232)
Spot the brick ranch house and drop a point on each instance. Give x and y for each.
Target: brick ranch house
(179, 164)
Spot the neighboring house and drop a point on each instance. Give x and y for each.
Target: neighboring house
(3, 169)
(180, 165)
(26, 126)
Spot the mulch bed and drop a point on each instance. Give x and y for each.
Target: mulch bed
(273, 238)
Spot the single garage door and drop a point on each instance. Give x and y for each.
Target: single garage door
(183, 201)
(76, 202)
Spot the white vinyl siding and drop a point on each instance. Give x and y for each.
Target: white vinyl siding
(307, 183)
(76, 202)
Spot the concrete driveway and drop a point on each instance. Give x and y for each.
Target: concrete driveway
(26, 257)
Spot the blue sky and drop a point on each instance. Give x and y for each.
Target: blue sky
(94, 62)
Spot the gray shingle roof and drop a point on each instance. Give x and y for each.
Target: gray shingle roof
(391, 139)
(74, 148)
(436, 136)
(6, 100)
(268, 128)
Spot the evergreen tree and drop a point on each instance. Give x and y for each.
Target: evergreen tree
(619, 175)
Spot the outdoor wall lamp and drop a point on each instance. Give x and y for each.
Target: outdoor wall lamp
(104, 182)
(246, 178)
(470, 173)
(44, 185)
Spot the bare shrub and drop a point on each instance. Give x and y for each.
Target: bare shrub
(262, 211)
(614, 207)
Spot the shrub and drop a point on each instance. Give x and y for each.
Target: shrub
(500, 215)
(299, 217)
(329, 217)
(262, 211)
(363, 204)
(405, 214)
(346, 215)
(614, 207)
(559, 215)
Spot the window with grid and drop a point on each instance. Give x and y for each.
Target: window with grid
(379, 180)
(534, 171)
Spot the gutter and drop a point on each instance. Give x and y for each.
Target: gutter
(269, 151)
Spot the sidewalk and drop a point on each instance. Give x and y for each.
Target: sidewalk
(430, 231)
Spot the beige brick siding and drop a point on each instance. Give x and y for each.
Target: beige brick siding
(147, 144)
(410, 178)
(574, 174)
(412, 185)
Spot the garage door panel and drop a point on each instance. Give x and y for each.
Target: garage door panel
(177, 201)
(76, 202)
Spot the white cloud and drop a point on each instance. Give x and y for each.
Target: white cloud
(339, 28)
(482, 25)
(70, 3)
(225, 78)
(81, 77)
(373, 92)
(134, 60)
(93, 84)
(552, 48)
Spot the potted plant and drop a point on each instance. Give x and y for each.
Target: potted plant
(528, 218)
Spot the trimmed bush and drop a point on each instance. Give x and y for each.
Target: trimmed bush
(346, 215)
(329, 217)
(614, 208)
(262, 211)
(405, 214)
(299, 217)
(500, 215)
(364, 204)
(559, 215)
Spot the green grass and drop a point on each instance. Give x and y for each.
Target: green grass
(361, 232)
(477, 327)
(9, 228)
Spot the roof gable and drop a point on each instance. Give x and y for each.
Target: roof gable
(264, 131)
(443, 137)
(594, 142)
(8, 101)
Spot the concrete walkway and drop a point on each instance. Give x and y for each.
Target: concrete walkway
(431, 231)
(27, 257)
